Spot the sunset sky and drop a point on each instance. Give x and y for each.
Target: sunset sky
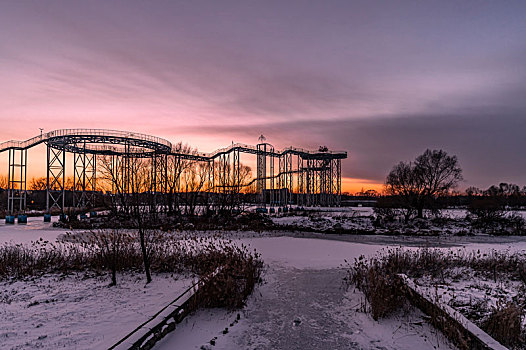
(383, 80)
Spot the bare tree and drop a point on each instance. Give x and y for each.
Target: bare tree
(112, 172)
(140, 186)
(175, 168)
(109, 245)
(3, 182)
(195, 178)
(229, 185)
(433, 173)
(132, 186)
(38, 184)
(402, 183)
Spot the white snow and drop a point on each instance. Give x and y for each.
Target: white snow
(82, 313)
(304, 281)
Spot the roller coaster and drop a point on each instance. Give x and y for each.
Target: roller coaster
(314, 177)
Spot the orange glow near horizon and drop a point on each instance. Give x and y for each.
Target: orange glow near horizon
(353, 185)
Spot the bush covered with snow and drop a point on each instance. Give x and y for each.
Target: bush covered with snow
(487, 287)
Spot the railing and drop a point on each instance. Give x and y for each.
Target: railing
(81, 132)
(110, 133)
(143, 137)
(112, 148)
(251, 148)
(22, 144)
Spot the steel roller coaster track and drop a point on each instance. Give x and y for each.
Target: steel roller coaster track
(318, 173)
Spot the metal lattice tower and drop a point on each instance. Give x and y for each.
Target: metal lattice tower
(16, 181)
(56, 178)
(262, 171)
(84, 179)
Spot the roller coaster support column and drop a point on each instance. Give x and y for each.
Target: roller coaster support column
(236, 176)
(311, 183)
(16, 181)
(289, 177)
(262, 172)
(283, 197)
(84, 179)
(285, 178)
(272, 179)
(159, 173)
(213, 183)
(338, 175)
(209, 183)
(301, 182)
(222, 181)
(56, 178)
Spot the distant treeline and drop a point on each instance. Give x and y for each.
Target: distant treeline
(503, 195)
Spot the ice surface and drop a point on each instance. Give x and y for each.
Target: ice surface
(35, 229)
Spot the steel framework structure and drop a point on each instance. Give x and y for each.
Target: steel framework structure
(303, 177)
(16, 180)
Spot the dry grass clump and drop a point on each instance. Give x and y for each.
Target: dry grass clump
(104, 250)
(382, 290)
(19, 261)
(436, 262)
(504, 324)
(238, 271)
(489, 214)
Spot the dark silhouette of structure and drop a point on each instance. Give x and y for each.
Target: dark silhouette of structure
(314, 176)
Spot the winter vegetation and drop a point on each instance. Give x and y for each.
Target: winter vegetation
(118, 252)
(486, 287)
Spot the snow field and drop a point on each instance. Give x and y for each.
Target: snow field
(79, 311)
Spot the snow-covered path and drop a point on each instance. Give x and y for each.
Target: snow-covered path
(304, 305)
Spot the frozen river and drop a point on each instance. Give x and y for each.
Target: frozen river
(35, 229)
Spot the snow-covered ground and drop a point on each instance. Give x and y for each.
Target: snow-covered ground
(303, 309)
(302, 303)
(323, 221)
(473, 293)
(76, 312)
(358, 220)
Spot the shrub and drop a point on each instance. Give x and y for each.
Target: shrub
(239, 268)
(504, 324)
(102, 250)
(234, 280)
(382, 290)
(489, 215)
(392, 208)
(376, 276)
